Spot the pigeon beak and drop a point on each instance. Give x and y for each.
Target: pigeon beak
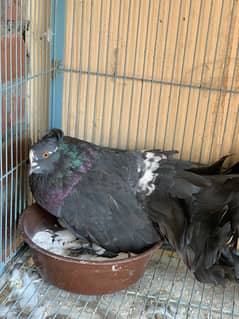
(33, 168)
(33, 165)
(30, 171)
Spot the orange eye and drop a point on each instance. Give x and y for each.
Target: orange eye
(45, 154)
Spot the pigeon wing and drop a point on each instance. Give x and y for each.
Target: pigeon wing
(104, 209)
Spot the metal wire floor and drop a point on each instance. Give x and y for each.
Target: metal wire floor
(167, 290)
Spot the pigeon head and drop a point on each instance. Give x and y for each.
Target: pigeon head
(45, 154)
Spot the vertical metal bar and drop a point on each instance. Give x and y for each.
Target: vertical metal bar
(69, 104)
(139, 285)
(21, 136)
(162, 74)
(1, 156)
(47, 40)
(51, 300)
(124, 74)
(92, 137)
(182, 289)
(25, 108)
(58, 305)
(114, 79)
(106, 311)
(201, 79)
(11, 139)
(143, 74)
(15, 302)
(40, 301)
(235, 132)
(191, 79)
(52, 101)
(117, 315)
(211, 302)
(163, 252)
(233, 301)
(223, 302)
(58, 9)
(212, 77)
(172, 286)
(42, 83)
(44, 36)
(223, 73)
(150, 285)
(229, 101)
(88, 75)
(47, 57)
(181, 77)
(152, 77)
(16, 141)
(106, 71)
(80, 68)
(24, 135)
(34, 67)
(6, 139)
(134, 69)
(30, 297)
(38, 62)
(73, 304)
(200, 303)
(172, 75)
(84, 308)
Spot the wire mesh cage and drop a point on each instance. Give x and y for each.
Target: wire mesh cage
(129, 74)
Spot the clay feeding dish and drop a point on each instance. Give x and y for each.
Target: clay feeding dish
(74, 275)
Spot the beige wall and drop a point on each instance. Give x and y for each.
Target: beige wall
(193, 46)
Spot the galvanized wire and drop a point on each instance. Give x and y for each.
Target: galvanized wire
(114, 72)
(15, 113)
(166, 289)
(143, 75)
(211, 82)
(221, 84)
(162, 76)
(202, 73)
(79, 73)
(72, 32)
(92, 136)
(172, 74)
(88, 67)
(133, 83)
(1, 160)
(229, 102)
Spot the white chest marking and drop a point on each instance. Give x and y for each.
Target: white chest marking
(146, 182)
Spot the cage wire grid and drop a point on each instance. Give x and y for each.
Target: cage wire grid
(128, 74)
(167, 290)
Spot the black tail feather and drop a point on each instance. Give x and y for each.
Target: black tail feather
(215, 168)
(201, 226)
(234, 169)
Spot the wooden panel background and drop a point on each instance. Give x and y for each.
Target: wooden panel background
(143, 74)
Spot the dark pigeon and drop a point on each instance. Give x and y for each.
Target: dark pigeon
(127, 201)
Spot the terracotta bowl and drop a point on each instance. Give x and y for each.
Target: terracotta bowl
(79, 276)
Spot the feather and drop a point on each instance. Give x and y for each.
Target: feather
(215, 168)
(63, 242)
